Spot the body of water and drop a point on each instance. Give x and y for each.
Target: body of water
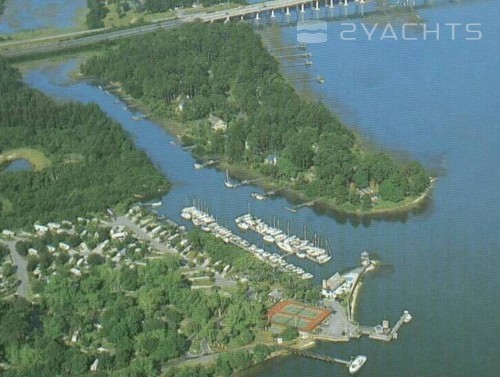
(21, 15)
(19, 165)
(439, 102)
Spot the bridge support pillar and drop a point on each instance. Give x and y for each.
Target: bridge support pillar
(287, 11)
(331, 4)
(302, 10)
(257, 16)
(317, 5)
(272, 14)
(242, 18)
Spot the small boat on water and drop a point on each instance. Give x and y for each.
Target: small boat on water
(156, 204)
(357, 363)
(308, 62)
(258, 196)
(186, 215)
(320, 79)
(228, 183)
(198, 166)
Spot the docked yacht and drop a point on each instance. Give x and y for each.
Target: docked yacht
(357, 363)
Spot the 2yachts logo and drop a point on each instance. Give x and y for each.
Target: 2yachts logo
(315, 31)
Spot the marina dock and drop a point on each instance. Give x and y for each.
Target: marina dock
(208, 223)
(287, 243)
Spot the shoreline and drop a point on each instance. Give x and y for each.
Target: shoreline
(175, 128)
(241, 172)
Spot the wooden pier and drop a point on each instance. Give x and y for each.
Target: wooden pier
(306, 204)
(315, 356)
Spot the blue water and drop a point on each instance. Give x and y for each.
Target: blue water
(18, 165)
(20, 15)
(438, 101)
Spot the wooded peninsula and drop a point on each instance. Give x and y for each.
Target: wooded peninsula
(234, 105)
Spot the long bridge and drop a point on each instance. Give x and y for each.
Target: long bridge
(15, 49)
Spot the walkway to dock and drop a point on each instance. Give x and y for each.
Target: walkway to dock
(315, 356)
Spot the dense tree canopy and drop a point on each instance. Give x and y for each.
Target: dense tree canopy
(97, 11)
(94, 164)
(224, 70)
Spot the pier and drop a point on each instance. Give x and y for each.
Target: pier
(354, 364)
(310, 203)
(387, 334)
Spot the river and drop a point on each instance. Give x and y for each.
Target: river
(439, 102)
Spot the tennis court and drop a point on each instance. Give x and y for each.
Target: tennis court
(303, 317)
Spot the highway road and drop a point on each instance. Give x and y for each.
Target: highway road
(65, 41)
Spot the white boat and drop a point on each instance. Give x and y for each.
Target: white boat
(268, 238)
(285, 247)
(324, 258)
(302, 255)
(242, 225)
(228, 183)
(156, 204)
(186, 215)
(357, 363)
(258, 196)
(198, 166)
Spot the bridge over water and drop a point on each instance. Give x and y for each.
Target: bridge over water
(270, 10)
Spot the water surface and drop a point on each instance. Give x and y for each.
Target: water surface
(438, 101)
(18, 165)
(21, 15)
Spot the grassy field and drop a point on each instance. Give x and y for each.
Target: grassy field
(34, 156)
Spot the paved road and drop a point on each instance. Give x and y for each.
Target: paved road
(24, 289)
(17, 51)
(58, 44)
